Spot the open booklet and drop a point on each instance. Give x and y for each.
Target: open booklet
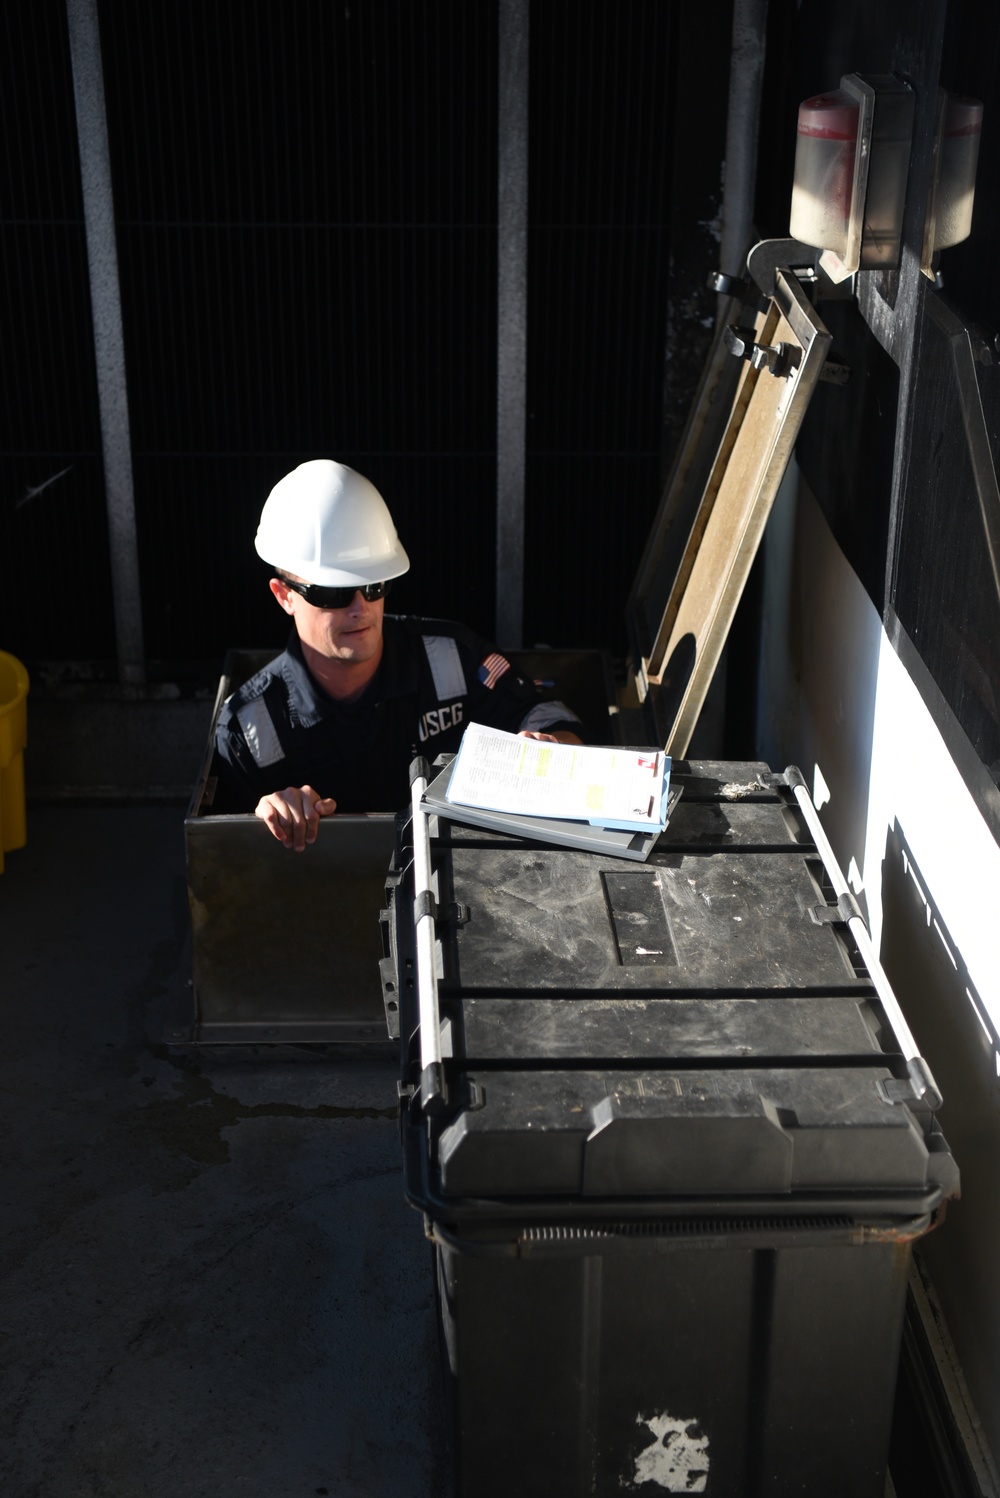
(625, 789)
(543, 814)
(602, 787)
(564, 832)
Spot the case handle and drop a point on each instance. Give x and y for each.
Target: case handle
(433, 1087)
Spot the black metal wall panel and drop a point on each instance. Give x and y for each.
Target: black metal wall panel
(946, 583)
(306, 214)
(612, 95)
(600, 198)
(934, 559)
(847, 446)
(53, 531)
(305, 200)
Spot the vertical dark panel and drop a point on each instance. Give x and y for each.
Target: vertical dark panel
(306, 216)
(513, 67)
(305, 211)
(604, 101)
(947, 565)
(109, 339)
(53, 530)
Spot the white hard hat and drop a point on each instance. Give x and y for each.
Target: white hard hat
(329, 525)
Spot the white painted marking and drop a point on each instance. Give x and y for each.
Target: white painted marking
(975, 1010)
(677, 1460)
(948, 837)
(821, 791)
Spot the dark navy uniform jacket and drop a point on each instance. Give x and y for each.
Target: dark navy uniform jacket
(281, 729)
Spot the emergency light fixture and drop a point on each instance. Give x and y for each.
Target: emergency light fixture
(851, 164)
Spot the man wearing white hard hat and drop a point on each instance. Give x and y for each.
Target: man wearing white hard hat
(334, 721)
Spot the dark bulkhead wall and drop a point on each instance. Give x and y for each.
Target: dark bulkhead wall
(892, 460)
(305, 200)
(889, 459)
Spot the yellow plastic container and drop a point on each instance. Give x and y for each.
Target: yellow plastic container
(13, 737)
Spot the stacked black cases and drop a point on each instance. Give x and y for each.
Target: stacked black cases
(675, 1180)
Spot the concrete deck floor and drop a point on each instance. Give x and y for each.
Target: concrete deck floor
(212, 1284)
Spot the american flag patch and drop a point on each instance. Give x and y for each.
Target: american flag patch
(491, 670)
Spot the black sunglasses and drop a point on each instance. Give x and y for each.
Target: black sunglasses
(336, 598)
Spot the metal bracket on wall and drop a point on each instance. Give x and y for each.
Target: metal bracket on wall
(783, 356)
(768, 256)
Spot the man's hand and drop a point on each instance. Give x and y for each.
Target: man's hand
(564, 736)
(293, 815)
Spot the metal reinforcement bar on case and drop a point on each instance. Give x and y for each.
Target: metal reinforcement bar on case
(433, 1090)
(921, 1079)
(513, 1238)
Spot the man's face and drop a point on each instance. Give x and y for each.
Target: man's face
(352, 635)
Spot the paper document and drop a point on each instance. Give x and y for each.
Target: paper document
(606, 787)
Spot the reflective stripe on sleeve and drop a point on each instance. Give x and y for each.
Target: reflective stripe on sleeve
(260, 733)
(446, 667)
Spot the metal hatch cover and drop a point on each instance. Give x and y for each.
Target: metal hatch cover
(678, 651)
